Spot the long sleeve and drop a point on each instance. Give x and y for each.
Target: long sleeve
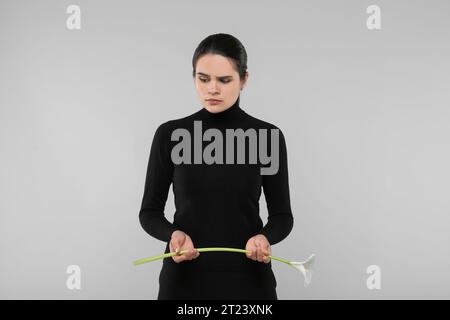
(157, 183)
(276, 191)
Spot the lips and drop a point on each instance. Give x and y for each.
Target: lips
(213, 100)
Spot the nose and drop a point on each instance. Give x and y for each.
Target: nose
(212, 88)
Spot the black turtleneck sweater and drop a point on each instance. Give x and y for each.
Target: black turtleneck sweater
(217, 205)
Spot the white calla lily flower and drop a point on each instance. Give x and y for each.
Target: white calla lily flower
(306, 268)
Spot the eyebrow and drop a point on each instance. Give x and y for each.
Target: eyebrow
(207, 75)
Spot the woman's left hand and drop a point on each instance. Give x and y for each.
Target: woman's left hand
(259, 247)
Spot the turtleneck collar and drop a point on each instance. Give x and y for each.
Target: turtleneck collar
(229, 113)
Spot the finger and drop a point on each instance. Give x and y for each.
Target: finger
(268, 253)
(260, 254)
(181, 257)
(190, 254)
(254, 253)
(175, 247)
(263, 254)
(266, 256)
(196, 254)
(251, 254)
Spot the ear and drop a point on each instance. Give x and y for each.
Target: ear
(244, 82)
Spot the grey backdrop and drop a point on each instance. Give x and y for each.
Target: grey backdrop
(365, 114)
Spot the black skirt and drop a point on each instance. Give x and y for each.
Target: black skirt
(215, 285)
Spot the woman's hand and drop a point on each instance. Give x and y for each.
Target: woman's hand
(259, 247)
(181, 241)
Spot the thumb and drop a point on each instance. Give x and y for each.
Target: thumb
(176, 245)
(178, 241)
(250, 251)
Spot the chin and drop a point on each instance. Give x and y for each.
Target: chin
(214, 109)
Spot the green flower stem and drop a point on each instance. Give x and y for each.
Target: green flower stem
(171, 254)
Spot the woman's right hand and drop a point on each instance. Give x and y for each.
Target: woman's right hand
(181, 241)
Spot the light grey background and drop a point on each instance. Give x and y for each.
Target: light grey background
(365, 114)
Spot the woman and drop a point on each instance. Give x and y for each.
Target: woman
(217, 204)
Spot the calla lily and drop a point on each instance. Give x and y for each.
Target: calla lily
(304, 267)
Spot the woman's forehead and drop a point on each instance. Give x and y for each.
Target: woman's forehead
(215, 64)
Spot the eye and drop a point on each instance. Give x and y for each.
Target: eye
(203, 79)
(225, 81)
